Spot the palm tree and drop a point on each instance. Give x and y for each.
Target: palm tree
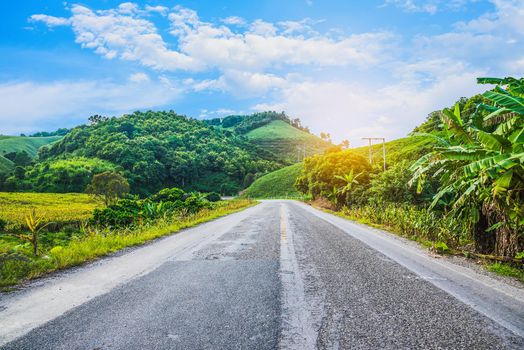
(481, 167)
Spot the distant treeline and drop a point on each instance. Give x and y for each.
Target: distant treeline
(242, 124)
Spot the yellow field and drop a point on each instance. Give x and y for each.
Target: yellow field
(55, 207)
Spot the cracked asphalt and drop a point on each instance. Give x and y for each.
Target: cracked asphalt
(278, 275)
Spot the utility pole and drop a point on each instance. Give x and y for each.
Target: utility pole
(370, 139)
(304, 151)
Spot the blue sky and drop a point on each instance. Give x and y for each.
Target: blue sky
(352, 68)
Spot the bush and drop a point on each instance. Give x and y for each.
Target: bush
(3, 224)
(168, 195)
(129, 212)
(213, 197)
(124, 213)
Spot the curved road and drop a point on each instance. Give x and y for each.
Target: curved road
(278, 275)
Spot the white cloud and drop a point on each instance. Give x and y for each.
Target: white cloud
(122, 33)
(50, 21)
(494, 41)
(159, 9)
(356, 110)
(234, 20)
(31, 106)
(139, 77)
(352, 85)
(113, 34)
(429, 6)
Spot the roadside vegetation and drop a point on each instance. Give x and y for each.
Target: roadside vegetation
(457, 187)
(41, 233)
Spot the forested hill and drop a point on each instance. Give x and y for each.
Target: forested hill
(277, 133)
(154, 150)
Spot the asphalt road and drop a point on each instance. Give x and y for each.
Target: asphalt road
(278, 275)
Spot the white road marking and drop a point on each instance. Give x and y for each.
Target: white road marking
(297, 326)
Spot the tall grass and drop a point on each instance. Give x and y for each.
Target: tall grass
(96, 243)
(413, 222)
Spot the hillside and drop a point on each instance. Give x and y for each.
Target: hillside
(274, 132)
(287, 141)
(278, 184)
(281, 183)
(5, 165)
(406, 148)
(153, 150)
(22, 143)
(30, 145)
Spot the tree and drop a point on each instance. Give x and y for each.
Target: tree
(344, 144)
(481, 167)
(108, 185)
(19, 158)
(95, 119)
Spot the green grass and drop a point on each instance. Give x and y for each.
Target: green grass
(96, 244)
(407, 148)
(287, 141)
(507, 270)
(54, 207)
(279, 129)
(277, 184)
(21, 143)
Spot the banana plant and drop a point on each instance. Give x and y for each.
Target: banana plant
(481, 169)
(349, 179)
(35, 224)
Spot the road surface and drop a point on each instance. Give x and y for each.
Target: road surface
(277, 275)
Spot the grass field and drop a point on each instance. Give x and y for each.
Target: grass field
(21, 143)
(287, 141)
(278, 184)
(54, 207)
(17, 266)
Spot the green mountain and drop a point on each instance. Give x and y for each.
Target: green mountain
(276, 133)
(290, 143)
(30, 145)
(154, 150)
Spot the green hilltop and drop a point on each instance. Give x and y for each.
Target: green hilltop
(277, 133)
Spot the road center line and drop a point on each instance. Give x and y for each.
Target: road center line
(297, 327)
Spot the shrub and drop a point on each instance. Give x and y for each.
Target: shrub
(123, 213)
(213, 197)
(168, 195)
(3, 224)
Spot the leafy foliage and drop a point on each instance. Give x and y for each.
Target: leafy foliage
(108, 185)
(481, 168)
(324, 174)
(129, 212)
(155, 149)
(57, 175)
